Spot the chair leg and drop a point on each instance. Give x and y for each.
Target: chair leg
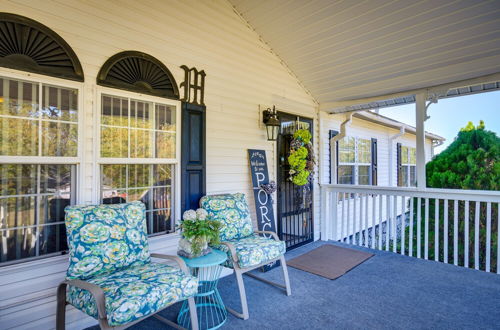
(285, 276)
(61, 307)
(193, 314)
(243, 295)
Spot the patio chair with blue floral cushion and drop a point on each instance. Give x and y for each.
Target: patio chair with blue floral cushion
(111, 276)
(246, 249)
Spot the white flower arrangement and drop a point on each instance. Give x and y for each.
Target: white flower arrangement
(189, 215)
(201, 214)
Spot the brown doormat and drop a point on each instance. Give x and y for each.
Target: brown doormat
(329, 261)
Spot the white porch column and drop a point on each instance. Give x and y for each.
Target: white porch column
(421, 116)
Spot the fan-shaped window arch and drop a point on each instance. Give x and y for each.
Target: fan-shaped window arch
(138, 72)
(30, 46)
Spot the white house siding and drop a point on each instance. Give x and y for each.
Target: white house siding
(367, 130)
(242, 73)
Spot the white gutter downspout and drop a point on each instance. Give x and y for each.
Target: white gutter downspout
(391, 153)
(333, 149)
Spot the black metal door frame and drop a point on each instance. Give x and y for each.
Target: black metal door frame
(287, 195)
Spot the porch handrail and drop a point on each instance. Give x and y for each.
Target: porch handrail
(448, 225)
(492, 196)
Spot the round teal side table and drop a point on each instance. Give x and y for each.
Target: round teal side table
(212, 313)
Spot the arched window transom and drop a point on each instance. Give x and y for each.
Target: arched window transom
(138, 72)
(30, 46)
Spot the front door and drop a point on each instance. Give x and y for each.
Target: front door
(295, 203)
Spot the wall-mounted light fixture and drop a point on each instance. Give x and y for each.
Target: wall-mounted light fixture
(272, 122)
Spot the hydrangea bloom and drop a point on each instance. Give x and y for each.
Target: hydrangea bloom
(201, 214)
(189, 215)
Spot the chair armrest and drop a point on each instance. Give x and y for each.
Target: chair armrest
(179, 261)
(272, 233)
(231, 248)
(94, 290)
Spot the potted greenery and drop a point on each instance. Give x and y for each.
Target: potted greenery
(197, 232)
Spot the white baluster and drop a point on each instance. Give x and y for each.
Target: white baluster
(403, 224)
(466, 235)
(445, 231)
(476, 236)
(426, 233)
(380, 208)
(365, 243)
(488, 236)
(419, 229)
(374, 203)
(355, 219)
(455, 233)
(410, 236)
(436, 229)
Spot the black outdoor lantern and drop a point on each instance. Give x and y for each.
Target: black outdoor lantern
(270, 119)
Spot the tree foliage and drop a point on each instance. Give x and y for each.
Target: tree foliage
(472, 161)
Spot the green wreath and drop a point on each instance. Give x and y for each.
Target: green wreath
(301, 159)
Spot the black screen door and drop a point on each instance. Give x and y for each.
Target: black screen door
(295, 203)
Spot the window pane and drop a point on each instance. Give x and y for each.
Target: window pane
(364, 175)
(346, 150)
(404, 155)
(18, 98)
(364, 151)
(114, 176)
(56, 179)
(42, 212)
(140, 114)
(165, 117)
(59, 139)
(404, 176)
(413, 176)
(52, 209)
(139, 175)
(140, 143)
(165, 145)
(413, 156)
(134, 183)
(60, 103)
(162, 175)
(114, 111)
(18, 137)
(114, 142)
(17, 212)
(17, 179)
(52, 239)
(346, 174)
(17, 244)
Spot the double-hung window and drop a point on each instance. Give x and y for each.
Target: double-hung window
(407, 167)
(139, 154)
(39, 128)
(354, 161)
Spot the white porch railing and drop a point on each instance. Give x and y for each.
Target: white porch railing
(451, 226)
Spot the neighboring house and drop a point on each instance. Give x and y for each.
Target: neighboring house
(376, 150)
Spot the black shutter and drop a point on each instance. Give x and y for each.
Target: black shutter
(193, 158)
(374, 162)
(398, 164)
(331, 134)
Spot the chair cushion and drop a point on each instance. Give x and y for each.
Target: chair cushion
(232, 211)
(135, 292)
(105, 238)
(253, 250)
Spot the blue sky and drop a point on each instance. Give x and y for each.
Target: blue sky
(449, 115)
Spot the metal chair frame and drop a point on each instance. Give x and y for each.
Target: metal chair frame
(238, 272)
(98, 295)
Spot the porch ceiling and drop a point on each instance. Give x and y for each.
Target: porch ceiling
(349, 50)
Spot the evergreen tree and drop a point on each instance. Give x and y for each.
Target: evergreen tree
(472, 161)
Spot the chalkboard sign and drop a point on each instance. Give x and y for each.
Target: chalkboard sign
(263, 202)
